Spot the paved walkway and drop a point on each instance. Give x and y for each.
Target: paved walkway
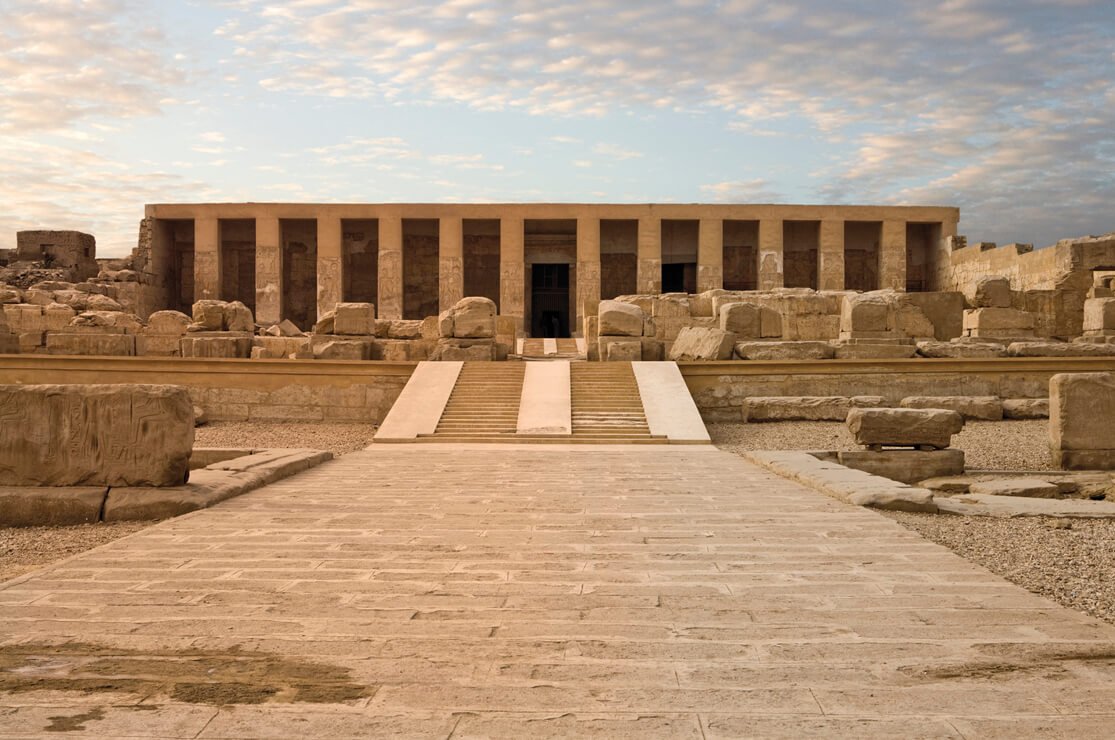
(433, 591)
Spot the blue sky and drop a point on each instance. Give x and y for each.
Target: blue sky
(1001, 107)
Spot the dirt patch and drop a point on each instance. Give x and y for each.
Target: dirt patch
(76, 723)
(192, 676)
(27, 548)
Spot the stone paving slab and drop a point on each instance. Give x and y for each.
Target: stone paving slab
(553, 591)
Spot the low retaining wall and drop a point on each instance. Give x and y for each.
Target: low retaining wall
(238, 390)
(721, 389)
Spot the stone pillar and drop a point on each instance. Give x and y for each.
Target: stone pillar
(649, 275)
(831, 256)
(770, 254)
(390, 268)
(710, 254)
(207, 259)
(588, 269)
(451, 276)
(330, 263)
(512, 269)
(892, 256)
(269, 271)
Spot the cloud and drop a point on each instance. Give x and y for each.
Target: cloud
(742, 191)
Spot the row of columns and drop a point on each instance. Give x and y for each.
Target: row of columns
(710, 261)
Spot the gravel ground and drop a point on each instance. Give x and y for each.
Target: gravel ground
(337, 438)
(1075, 566)
(987, 445)
(28, 548)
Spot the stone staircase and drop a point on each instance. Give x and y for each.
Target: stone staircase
(606, 404)
(550, 349)
(484, 405)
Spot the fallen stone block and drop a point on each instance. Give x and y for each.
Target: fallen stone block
(326, 323)
(908, 499)
(404, 329)
(343, 349)
(113, 435)
(1081, 407)
(222, 345)
(209, 315)
(991, 292)
(696, 344)
(1026, 408)
(29, 506)
(864, 351)
(158, 345)
(474, 317)
(1028, 487)
(905, 427)
(1099, 315)
(168, 323)
(95, 344)
(620, 349)
(619, 319)
(464, 350)
(354, 319)
(238, 317)
(789, 350)
(401, 350)
(981, 408)
(999, 322)
(905, 466)
(1060, 349)
(742, 319)
(961, 350)
(805, 408)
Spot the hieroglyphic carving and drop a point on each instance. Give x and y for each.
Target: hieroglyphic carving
(892, 256)
(770, 254)
(390, 283)
(831, 256)
(328, 283)
(451, 281)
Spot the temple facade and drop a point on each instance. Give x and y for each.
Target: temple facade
(540, 263)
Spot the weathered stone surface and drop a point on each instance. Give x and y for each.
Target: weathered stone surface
(992, 322)
(343, 349)
(742, 319)
(325, 324)
(9, 343)
(866, 351)
(695, 343)
(445, 324)
(474, 317)
(961, 349)
(905, 466)
(618, 319)
(943, 309)
(991, 292)
(279, 348)
(400, 350)
(1060, 349)
(124, 323)
(97, 344)
(904, 427)
(96, 302)
(1028, 487)
(1081, 407)
(167, 322)
(238, 317)
(466, 350)
(867, 312)
(900, 499)
(114, 435)
(33, 506)
(158, 345)
(287, 328)
(621, 349)
(785, 350)
(983, 408)
(57, 316)
(354, 319)
(1099, 314)
(209, 315)
(404, 329)
(216, 346)
(806, 408)
(1026, 408)
(10, 295)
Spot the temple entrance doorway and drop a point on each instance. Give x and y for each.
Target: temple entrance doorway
(549, 290)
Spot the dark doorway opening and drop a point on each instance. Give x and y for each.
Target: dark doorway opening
(679, 277)
(549, 288)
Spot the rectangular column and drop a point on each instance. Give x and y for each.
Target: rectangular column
(269, 271)
(330, 263)
(207, 259)
(588, 269)
(710, 254)
(770, 254)
(892, 256)
(831, 257)
(451, 276)
(649, 274)
(390, 268)
(512, 269)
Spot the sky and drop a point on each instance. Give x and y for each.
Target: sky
(1000, 107)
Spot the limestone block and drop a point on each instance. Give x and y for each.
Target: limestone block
(905, 466)
(1099, 314)
(66, 343)
(30, 341)
(960, 350)
(618, 319)
(167, 322)
(982, 408)
(238, 317)
(911, 321)
(34, 506)
(905, 427)
(10, 295)
(401, 350)
(474, 317)
(279, 348)
(228, 346)
(991, 322)
(404, 329)
(653, 350)
(1026, 408)
(742, 319)
(1026, 487)
(325, 324)
(874, 351)
(867, 312)
(805, 408)
(694, 343)
(444, 324)
(621, 349)
(467, 350)
(1060, 349)
(38, 297)
(784, 350)
(158, 345)
(431, 328)
(209, 315)
(113, 435)
(354, 319)
(811, 327)
(898, 499)
(9, 343)
(343, 349)
(58, 316)
(1081, 406)
(287, 328)
(671, 307)
(96, 302)
(770, 323)
(115, 322)
(991, 292)
(23, 317)
(702, 303)
(944, 310)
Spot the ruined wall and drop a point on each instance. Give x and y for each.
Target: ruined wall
(74, 252)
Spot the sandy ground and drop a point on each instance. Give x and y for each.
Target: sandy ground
(28, 548)
(337, 438)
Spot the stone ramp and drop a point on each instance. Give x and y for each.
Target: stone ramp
(556, 401)
(468, 591)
